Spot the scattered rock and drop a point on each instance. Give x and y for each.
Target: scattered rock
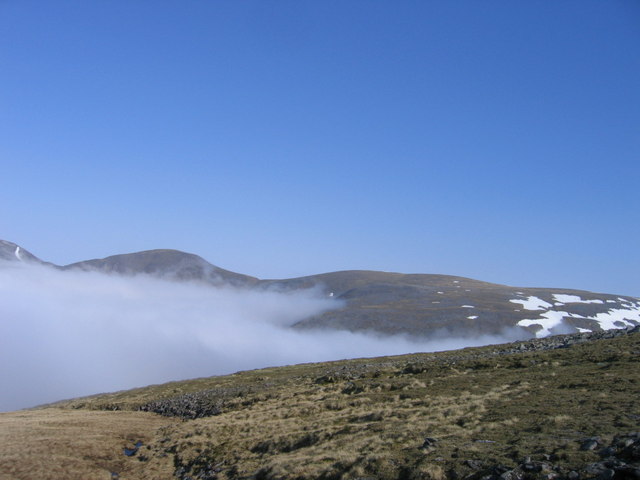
(429, 442)
(620, 461)
(351, 388)
(413, 369)
(474, 464)
(590, 443)
(512, 475)
(607, 452)
(606, 474)
(205, 403)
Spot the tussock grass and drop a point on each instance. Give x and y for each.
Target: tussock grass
(54, 443)
(354, 419)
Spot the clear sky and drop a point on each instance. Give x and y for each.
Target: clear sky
(497, 140)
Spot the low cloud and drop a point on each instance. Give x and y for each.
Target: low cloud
(70, 333)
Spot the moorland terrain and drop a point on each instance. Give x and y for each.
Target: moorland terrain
(561, 407)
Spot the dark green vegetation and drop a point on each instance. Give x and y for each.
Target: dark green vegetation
(561, 407)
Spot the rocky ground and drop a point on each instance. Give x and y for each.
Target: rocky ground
(212, 401)
(620, 459)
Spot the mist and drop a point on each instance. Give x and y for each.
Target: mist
(65, 334)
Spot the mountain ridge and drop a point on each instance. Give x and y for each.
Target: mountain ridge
(391, 303)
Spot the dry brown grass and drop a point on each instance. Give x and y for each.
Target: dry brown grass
(57, 444)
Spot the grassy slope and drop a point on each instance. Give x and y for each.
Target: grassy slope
(363, 418)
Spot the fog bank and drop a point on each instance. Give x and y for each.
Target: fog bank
(73, 333)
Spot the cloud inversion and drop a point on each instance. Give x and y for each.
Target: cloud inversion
(70, 333)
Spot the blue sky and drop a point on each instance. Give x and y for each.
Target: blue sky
(497, 140)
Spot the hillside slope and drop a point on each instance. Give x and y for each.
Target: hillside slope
(444, 305)
(171, 264)
(557, 408)
(11, 252)
(418, 305)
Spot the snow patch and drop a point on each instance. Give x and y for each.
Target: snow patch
(617, 318)
(583, 330)
(532, 303)
(472, 317)
(561, 297)
(613, 318)
(550, 320)
(467, 306)
(17, 254)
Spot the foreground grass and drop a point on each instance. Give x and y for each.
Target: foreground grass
(422, 416)
(56, 443)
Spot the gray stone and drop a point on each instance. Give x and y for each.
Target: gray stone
(624, 443)
(429, 442)
(589, 444)
(515, 474)
(475, 464)
(606, 474)
(607, 452)
(549, 476)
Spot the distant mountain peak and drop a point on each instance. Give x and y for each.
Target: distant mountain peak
(13, 252)
(166, 263)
